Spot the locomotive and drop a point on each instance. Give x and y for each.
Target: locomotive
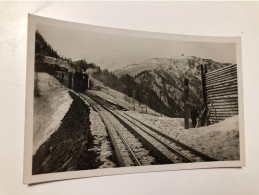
(62, 71)
(77, 81)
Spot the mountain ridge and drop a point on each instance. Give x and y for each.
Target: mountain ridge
(165, 77)
(155, 62)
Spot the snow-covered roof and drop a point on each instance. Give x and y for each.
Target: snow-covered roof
(59, 62)
(49, 60)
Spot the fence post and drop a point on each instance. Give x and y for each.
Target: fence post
(186, 104)
(203, 79)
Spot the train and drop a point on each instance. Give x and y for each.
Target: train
(63, 72)
(77, 81)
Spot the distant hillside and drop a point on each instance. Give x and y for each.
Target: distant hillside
(164, 77)
(180, 64)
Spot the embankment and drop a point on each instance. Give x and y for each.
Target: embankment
(67, 148)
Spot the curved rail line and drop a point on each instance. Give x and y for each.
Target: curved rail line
(183, 146)
(175, 156)
(180, 144)
(161, 157)
(182, 157)
(104, 117)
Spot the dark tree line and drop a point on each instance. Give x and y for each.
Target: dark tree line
(45, 49)
(42, 47)
(139, 91)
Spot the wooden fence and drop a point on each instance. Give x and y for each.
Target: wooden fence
(220, 93)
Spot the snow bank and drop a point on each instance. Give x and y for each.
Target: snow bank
(101, 142)
(49, 108)
(220, 140)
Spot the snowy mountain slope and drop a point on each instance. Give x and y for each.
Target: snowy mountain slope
(165, 76)
(180, 63)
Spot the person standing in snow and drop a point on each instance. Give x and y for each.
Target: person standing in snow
(194, 116)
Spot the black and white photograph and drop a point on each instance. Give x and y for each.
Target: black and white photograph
(104, 101)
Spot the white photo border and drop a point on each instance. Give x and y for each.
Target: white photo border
(28, 178)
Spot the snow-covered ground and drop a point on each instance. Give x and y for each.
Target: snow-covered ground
(120, 98)
(220, 140)
(101, 140)
(49, 108)
(100, 134)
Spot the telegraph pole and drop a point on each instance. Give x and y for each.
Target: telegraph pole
(203, 79)
(187, 105)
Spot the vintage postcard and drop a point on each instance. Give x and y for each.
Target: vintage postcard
(103, 101)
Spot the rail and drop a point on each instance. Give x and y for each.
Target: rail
(179, 144)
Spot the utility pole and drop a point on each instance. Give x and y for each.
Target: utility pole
(203, 72)
(203, 79)
(161, 102)
(187, 105)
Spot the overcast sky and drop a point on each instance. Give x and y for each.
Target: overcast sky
(113, 51)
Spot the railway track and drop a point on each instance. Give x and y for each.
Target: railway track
(182, 149)
(128, 149)
(166, 149)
